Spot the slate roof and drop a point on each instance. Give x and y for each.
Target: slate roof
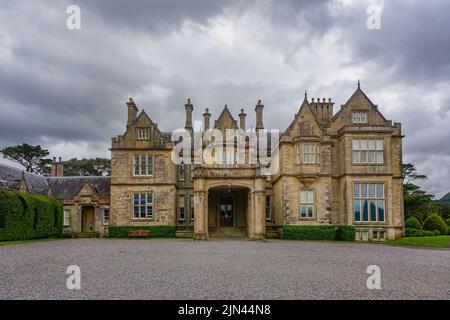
(11, 177)
(69, 187)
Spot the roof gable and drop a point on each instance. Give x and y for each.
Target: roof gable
(304, 123)
(225, 120)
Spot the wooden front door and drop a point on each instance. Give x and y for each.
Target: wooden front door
(88, 219)
(226, 211)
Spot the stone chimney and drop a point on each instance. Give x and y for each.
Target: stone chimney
(189, 107)
(206, 118)
(259, 116)
(242, 116)
(323, 110)
(57, 169)
(132, 112)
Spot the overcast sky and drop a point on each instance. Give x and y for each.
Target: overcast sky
(66, 89)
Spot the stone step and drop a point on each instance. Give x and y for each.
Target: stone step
(227, 232)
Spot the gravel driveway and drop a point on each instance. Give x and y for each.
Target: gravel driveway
(220, 269)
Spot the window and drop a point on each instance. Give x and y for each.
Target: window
(359, 116)
(310, 153)
(378, 235)
(142, 206)
(268, 207)
(181, 172)
(370, 151)
(143, 165)
(369, 202)
(192, 207)
(306, 204)
(66, 218)
(105, 217)
(143, 134)
(181, 211)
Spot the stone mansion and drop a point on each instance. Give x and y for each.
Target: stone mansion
(333, 169)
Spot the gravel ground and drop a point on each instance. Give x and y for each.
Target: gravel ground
(220, 269)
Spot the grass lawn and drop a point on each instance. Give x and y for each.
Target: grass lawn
(433, 241)
(5, 243)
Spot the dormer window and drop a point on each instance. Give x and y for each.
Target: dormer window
(359, 116)
(143, 134)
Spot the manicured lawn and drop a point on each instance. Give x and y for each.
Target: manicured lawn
(433, 241)
(5, 243)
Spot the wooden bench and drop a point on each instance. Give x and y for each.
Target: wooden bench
(138, 233)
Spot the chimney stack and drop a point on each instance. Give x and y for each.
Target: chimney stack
(189, 107)
(242, 116)
(57, 169)
(132, 112)
(206, 117)
(259, 116)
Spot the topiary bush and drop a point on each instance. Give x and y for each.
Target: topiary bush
(155, 231)
(413, 222)
(309, 232)
(410, 232)
(435, 222)
(345, 233)
(25, 216)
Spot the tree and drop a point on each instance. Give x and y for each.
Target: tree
(409, 173)
(32, 158)
(87, 167)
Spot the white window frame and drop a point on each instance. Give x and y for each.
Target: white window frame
(310, 153)
(366, 194)
(359, 117)
(143, 133)
(143, 208)
(368, 151)
(181, 172)
(307, 201)
(66, 217)
(142, 165)
(181, 207)
(104, 220)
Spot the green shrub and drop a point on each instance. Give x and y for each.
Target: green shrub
(413, 222)
(448, 225)
(309, 232)
(25, 216)
(155, 231)
(435, 222)
(345, 233)
(410, 232)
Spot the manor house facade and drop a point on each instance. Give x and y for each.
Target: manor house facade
(333, 169)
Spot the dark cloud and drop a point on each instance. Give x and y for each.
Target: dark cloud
(66, 90)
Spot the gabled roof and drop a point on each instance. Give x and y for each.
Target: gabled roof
(303, 107)
(225, 115)
(357, 92)
(10, 178)
(69, 187)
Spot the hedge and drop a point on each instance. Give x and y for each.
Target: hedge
(435, 222)
(155, 231)
(345, 233)
(411, 232)
(309, 232)
(413, 223)
(25, 216)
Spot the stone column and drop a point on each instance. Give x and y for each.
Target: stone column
(258, 231)
(201, 210)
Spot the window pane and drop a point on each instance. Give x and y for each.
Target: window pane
(380, 210)
(363, 144)
(357, 210)
(149, 212)
(303, 197)
(136, 212)
(371, 157)
(143, 200)
(356, 188)
(136, 199)
(365, 210)
(380, 157)
(373, 211)
(380, 190)
(310, 198)
(363, 156)
(372, 190)
(380, 144)
(303, 211)
(149, 198)
(355, 156)
(310, 211)
(371, 144)
(364, 190)
(355, 144)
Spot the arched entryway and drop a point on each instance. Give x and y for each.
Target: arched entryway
(227, 212)
(236, 204)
